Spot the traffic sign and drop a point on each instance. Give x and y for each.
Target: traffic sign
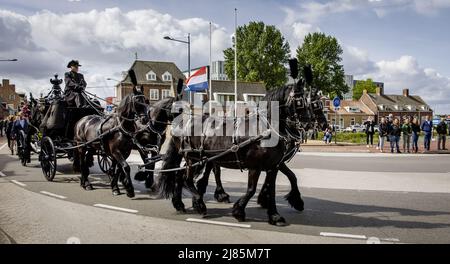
(336, 102)
(109, 108)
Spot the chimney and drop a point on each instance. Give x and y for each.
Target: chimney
(379, 90)
(406, 92)
(5, 82)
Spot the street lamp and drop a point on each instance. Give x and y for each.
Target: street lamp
(10, 60)
(188, 42)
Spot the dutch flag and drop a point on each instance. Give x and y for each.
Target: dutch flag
(198, 82)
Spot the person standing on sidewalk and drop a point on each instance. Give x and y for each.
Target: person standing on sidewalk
(370, 130)
(427, 128)
(383, 132)
(442, 129)
(415, 128)
(406, 131)
(395, 135)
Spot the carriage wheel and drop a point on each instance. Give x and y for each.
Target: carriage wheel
(104, 162)
(21, 145)
(47, 157)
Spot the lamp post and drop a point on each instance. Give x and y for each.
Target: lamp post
(188, 42)
(10, 60)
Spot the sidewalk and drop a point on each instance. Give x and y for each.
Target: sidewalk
(320, 146)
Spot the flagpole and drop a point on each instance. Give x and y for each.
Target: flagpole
(235, 62)
(209, 69)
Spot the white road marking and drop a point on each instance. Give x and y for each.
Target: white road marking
(3, 146)
(18, 183)
(53, 195)
(203, 221)
(390, 239)
(116, 208)
(326, 234)
(2, 174)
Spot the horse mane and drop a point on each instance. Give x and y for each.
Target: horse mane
(279, 94)
(125, 106)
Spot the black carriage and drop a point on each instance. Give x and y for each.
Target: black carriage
(57, 130)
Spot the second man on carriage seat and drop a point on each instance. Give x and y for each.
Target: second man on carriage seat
(75, 85)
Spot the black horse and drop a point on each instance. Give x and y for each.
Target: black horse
(112, 135)
(238, 152)
(151, 139)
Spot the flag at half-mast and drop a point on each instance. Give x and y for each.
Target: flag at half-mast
(198, 81)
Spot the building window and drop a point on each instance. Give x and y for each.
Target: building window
(165, 93)
(154, 94)
(167, 77)
(222, 98)
(12, 97)
(352, 121)
(151, 76)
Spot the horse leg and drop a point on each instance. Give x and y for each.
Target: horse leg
(197, 198)
(114, 175)
(125, 178)
(177, 201)
(294, 197)
(76, 161)
(202, 183)
(239, 206)
(85, 184)
(149, 181)
(274, 217)
(141, 175)
(219, 194)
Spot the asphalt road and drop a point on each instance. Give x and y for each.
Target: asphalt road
(349, 198)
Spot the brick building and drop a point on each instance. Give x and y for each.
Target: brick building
(9, 98)
(399, 106)
(377, 105)
(159, 80)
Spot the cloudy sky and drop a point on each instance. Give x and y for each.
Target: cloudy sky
(404, 43)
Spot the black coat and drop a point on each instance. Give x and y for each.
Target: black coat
(370, 127)
(442, 128)
(395, 130)
(75, 84)
(383, 129)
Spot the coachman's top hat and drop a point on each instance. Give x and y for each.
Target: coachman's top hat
(73, 63)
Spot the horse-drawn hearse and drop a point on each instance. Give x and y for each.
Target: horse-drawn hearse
(79, 134)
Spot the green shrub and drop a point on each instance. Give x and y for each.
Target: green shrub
(357, 138)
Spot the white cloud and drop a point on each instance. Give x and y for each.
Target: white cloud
(103, 40)
(312, 11)
(406, 72)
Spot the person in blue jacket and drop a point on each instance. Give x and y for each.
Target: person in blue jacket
(427, 128)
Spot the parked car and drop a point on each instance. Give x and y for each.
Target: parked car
(355, 128)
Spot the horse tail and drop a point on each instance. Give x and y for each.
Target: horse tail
(167, 180)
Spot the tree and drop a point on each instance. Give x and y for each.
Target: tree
(360, 86)
(262, 52)
(324, 53)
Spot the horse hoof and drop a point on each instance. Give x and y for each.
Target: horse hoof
(295, 200)
(116, 193)
(222, 197)
(200, 207)
(262, 202)
(181, 210)
(277, 220)
(130, 194)
(239, 215)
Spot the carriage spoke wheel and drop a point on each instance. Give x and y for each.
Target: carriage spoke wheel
(104, 162)
(48, 158)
